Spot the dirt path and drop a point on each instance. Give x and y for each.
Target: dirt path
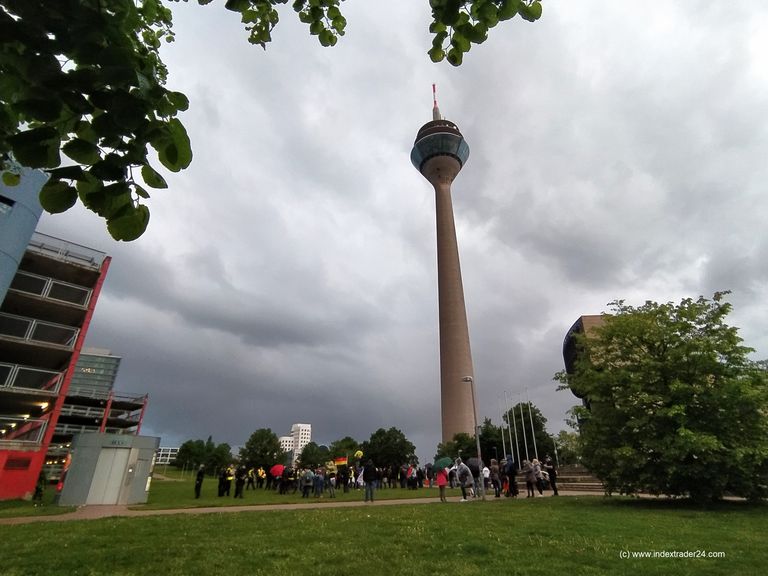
(96, 512)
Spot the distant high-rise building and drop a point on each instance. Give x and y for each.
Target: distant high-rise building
(302, 435)
(439, 153)
(44, 319)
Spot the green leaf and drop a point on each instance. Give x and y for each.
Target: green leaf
(327, 38)
(508, 9)
(46, 110)
(140, 191)
(112, 168)
(530, 12)
(37, 148)
(179, 100)
(66, 173)
(11, 178)
(82, 151)
(460, 42)
(237, 5)
(455, 57)
(152, 178)
(57, 196)
(316, 27)
(173, 147)
(436, 54)
(436, 27)
(91, 192)
(536, 10)
(129, 225)
(117, 198)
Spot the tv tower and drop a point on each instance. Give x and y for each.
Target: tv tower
(439, 154)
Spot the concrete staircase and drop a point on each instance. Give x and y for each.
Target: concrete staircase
(579, 479)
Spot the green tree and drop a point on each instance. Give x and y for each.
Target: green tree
(568, 447)
(388, 448)
(313, 455)
(192, 453)
(346, 446)
(675, 404)
(461, 445)
(84, 78)
(219, 457)
(262, 449)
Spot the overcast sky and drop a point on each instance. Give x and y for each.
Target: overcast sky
(289, 275)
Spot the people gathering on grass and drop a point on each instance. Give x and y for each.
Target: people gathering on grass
(322, 481)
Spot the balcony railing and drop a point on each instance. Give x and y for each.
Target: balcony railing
(21, 430)
(21, 377)
(51, 289)
(31, 330)
(66, 251)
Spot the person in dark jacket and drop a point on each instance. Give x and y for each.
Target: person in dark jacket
(199, 480)
(240, 475)
(369, 478)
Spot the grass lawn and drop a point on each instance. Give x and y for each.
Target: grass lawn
(16, 508)
(552, 536)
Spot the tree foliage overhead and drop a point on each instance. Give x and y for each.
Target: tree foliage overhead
(676, 405)
(83, 96)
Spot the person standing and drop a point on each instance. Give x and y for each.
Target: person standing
(530, 478)
(199, 480)
(486, 473)
(240, 475)
(307, 480)
(466, 481)
(228, 477)
(369, 479)
(222, 481)
(537, 473)
(251, 484)
(441, 478)
(551, 469)
(496, 477)
(319, 483)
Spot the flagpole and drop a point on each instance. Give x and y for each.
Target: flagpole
(530, 417)
(503, 441)
(514, 422)
(522, 425)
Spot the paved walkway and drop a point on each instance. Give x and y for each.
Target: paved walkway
(96, 512)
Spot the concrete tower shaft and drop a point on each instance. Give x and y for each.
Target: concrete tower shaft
(439, 154)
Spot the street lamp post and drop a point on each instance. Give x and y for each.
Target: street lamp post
(477, 434)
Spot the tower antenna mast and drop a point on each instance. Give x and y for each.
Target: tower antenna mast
(435, 110)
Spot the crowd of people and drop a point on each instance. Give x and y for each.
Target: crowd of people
(323, 481)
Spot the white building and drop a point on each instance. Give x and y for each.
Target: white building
(286, 443)
(302, 435)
